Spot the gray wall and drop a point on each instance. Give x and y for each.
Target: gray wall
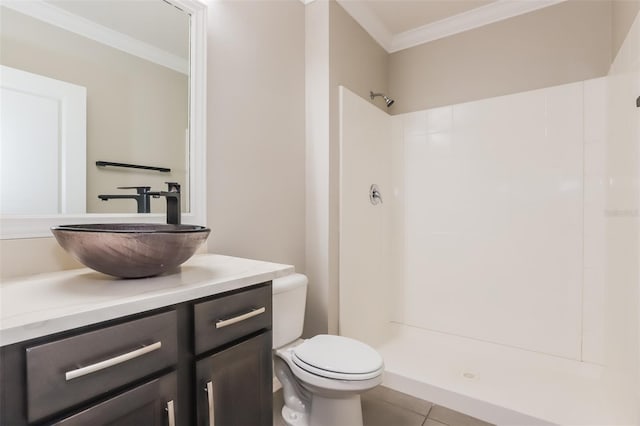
(567, 42)
(255, 116)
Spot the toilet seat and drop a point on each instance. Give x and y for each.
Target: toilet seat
(338, 357)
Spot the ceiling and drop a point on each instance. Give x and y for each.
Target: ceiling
(400, 24)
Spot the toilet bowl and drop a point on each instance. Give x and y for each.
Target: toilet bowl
(322, 377)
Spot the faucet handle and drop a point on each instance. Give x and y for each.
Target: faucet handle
(173, 186)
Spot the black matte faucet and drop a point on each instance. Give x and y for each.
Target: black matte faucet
(172, 194)
(142, 197)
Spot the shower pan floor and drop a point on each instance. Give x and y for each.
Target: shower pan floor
(500, 384)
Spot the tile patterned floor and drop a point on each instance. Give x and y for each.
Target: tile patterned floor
(385, 407)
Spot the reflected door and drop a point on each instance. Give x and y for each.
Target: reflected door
(43, 144)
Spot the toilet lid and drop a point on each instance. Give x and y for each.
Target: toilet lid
(338, 357)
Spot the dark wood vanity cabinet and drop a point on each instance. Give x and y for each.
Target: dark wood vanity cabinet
(151, 404)
(149, 369)
(233, 373)
(65, 372)
(227, 391)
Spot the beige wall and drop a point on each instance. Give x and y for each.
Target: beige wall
(33, 256)
(349, 57)
(136, 110)
(256, 139)
(121, 124)
(567, 42)
(623, 14)
(317, 91)
(357, 62)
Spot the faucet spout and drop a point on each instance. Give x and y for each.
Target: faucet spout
(142, 197)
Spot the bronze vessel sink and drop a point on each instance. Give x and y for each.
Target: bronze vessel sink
(131, 250)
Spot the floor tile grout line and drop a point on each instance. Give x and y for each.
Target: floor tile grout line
(403, 407)
(429, 410)
(429, 418)
(425, 418)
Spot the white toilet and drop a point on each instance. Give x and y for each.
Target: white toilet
(322, 377)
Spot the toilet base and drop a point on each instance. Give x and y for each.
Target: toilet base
(312, 400)
(293, 417)
(335, 411)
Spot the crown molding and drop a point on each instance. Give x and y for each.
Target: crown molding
(53, 15)
(369, 21)
(474, 18)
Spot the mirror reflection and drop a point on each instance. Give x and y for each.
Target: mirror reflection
(87, 82)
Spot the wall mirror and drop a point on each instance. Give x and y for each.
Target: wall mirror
(87, 84)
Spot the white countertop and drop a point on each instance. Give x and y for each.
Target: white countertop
(43, 304)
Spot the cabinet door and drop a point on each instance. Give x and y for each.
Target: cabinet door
(235, 385)
(151, 404)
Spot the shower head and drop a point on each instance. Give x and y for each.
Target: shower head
(387, 99)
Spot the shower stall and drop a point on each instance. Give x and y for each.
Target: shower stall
(499, 276)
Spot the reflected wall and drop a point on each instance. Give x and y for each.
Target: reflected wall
(137, 111)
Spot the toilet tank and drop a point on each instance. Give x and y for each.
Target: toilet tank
(289, 298)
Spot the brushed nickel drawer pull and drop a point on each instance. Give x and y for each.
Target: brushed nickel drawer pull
(209, 389)
(83, 371)
(171, 413)
(251, 314)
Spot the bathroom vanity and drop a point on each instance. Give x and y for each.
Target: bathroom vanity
(79, 347)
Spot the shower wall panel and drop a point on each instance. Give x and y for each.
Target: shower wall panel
(622, 213)
(492, 205)
(366, 288)
(492, 226)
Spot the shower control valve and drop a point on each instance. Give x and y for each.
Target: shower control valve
(374, 195)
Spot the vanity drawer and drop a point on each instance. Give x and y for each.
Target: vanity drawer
(227, 318)
(69, 371)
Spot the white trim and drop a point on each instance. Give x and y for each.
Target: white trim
(12, 227)
(72, 137)
(54, 15)
(197, 109)
(474, 18)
